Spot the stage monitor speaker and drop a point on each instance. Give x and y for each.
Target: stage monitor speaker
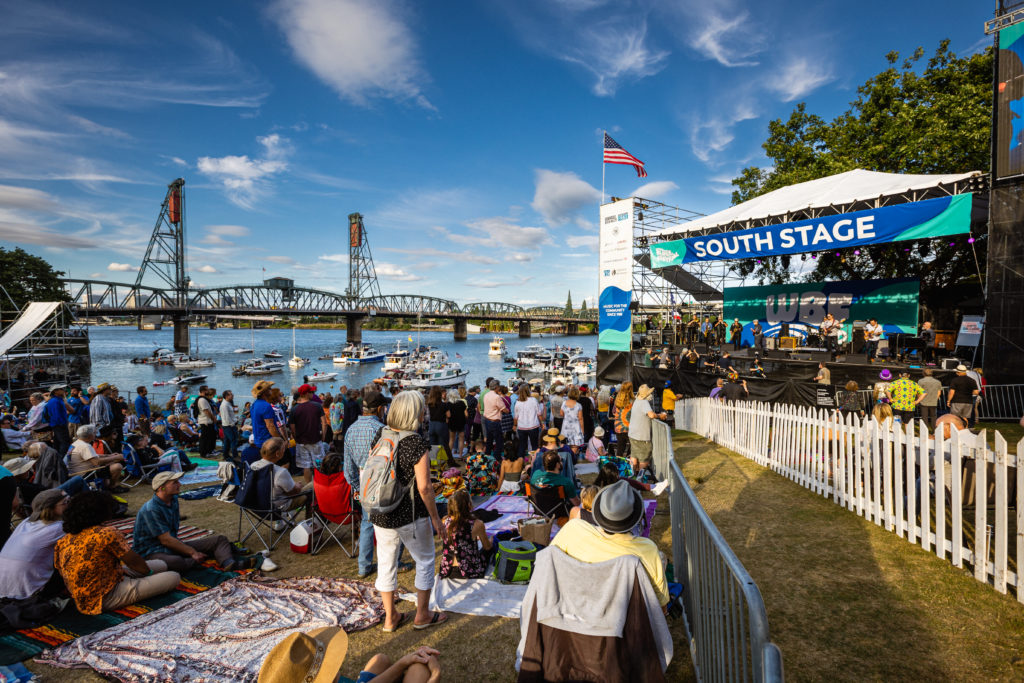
(858, 340)
(775, 353)
(742, 353)
(821, 356)
(861, 358)
(784, 330)
(771, 343)
(951, 363)
(799, 356)
(654, 337)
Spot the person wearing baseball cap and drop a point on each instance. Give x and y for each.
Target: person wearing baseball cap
(156, 533)
(309, 426)
(962, 392)
(618, 509)
(26, 561)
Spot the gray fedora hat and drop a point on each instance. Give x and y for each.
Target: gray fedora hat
(618, 508)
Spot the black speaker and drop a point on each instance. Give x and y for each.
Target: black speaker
(858, 340)
(800, 356)
(821, 356)
(861, 358)
(776, 353)
(784, 330)
(745, 352)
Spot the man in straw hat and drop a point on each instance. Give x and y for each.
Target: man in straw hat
(640, 427)
(617, 510)
(316, 657)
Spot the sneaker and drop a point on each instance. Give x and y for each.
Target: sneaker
(369, 570)
(278, 525)
(660, 487)
(268, 564)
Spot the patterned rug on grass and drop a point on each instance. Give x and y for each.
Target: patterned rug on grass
(185, 532)
(71, 624)
(223, 634)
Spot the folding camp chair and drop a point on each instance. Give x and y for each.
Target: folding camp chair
(333, 507)
(255, 501)
(135, 469)
(549, 501)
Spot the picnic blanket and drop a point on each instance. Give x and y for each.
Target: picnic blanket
(186, 532)
(71, 624)
(514, 508)
(482, 597)
(223, 634)
(203, 474)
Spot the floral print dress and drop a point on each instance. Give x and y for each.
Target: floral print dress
(461, 546)
(482, 474)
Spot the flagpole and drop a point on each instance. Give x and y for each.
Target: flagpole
(603, 133)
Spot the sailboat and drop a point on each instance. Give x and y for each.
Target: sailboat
(194, 361)
(252, 345)
(295, 361)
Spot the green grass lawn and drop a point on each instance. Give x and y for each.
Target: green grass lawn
(846, 600)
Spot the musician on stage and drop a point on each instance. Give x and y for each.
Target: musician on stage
(830, 331)
(706, 331)
(736, 333)
(872, 335)
(692, 330)
(927, 335)
(719, 330)
(758, 333)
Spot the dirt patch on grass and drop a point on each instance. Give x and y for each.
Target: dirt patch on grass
(847, 600)
(472, 648)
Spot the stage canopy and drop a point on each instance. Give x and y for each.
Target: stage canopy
(841, 193)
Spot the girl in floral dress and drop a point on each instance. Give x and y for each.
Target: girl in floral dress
(461, 557)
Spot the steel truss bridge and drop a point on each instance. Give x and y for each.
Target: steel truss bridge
(98, 298)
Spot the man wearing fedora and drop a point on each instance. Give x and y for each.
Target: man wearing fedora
(617, 510)
(962, 393)
(640, 427)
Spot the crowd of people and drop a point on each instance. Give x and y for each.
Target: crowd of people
(79, 448)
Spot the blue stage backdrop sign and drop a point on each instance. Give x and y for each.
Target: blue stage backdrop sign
(911, 221)
(615, 279)
(893, 303)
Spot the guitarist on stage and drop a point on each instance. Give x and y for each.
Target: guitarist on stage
(692, 330)
(735, 334)
(719, 330)
(872, 335)
(830, 331)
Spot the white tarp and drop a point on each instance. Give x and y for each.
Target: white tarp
(34, 316)
(841, 188)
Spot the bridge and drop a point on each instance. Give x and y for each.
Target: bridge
(172, 295)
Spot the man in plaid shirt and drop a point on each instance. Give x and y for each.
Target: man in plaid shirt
(358, 440)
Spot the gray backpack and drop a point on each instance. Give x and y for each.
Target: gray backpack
(380, 490)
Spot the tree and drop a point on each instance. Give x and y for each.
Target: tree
(583, 307)
(935, 121)
(29, 278)
(568, 306)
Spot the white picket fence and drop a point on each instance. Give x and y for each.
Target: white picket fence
(889, 475)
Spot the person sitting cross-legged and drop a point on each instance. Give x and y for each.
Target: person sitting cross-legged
(156, 533)
(98, 566)
(617, 510)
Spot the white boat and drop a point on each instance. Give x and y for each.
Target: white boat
(273, 354)
(189, 363)
(183, 378)
(295, 361)
(497, 347)
(446, 375)
(242, 351)
(355, 355)
(252, 346)
(582, 365)
(321, 377)
(257, 371)
(397, 358)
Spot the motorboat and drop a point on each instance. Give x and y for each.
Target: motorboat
(187, 363)
(497, 347)
(359, 354)
(262, 367)
(183, 378)
(582, 365)
(243, 351)
(445, 375)
(157, 357)
(321, 377)
(397, 358)
(257, 371)
(273, 354)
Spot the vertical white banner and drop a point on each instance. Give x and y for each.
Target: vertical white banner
(615, 281)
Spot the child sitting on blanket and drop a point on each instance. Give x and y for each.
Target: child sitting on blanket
(466, 548)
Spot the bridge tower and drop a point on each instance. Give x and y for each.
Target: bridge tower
(165, 257)
(362, 277)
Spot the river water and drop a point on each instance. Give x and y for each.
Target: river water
(112, 349)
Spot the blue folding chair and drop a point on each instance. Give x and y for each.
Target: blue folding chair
(255, 501)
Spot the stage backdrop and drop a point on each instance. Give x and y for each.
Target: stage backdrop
(615, 279)
(892, 302)
(910, 221)
(1009, 150)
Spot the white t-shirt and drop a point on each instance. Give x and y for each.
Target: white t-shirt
(204, 405)
(81, 454)
(283, 482)
(527, 414)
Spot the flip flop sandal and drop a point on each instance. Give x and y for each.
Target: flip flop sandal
(402, 618)
(435, 619)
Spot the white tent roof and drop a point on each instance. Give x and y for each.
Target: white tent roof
(34, 316)
(842, 188)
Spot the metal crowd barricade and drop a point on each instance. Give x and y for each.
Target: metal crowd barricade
(1002, 402)
(724, 613)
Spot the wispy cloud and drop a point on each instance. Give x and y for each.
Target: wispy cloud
(361, 49)
(494, 284)
(655, 189)
(715, 133)
(242, 178)
(800, 76)
(724, 39)
(559, 195)
(575, 241)
(391, 271)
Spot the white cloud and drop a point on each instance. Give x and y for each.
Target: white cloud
(390, 271)
(121, 267)
(799, 77)
(655, 189)
(179, 161)
(228, 230)
(557, 196)
(445, 255)
(243, 178)
(725, 40)
(207, 269)
(575, 241)
(286, 260)
(360, 48)
(334, 258)
(500, 231)
(714, 134)
(493, 284)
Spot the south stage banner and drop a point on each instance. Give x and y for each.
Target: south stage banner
(911, 221)
(615, 280)
(803, 306)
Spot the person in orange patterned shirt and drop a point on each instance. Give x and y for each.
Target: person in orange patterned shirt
(98, 566)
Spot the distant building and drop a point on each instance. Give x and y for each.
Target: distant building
(279, 282)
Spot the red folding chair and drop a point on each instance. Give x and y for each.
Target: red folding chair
(333, 507)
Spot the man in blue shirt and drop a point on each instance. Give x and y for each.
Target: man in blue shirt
(156, 533)
(77, 407)
(142, 409)
(57, 415)
(358, 441)
(264, 421)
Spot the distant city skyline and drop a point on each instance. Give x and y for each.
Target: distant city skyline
(468, 135)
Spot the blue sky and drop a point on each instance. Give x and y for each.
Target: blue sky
(468, 134)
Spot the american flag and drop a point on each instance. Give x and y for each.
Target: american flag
(614, 154)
